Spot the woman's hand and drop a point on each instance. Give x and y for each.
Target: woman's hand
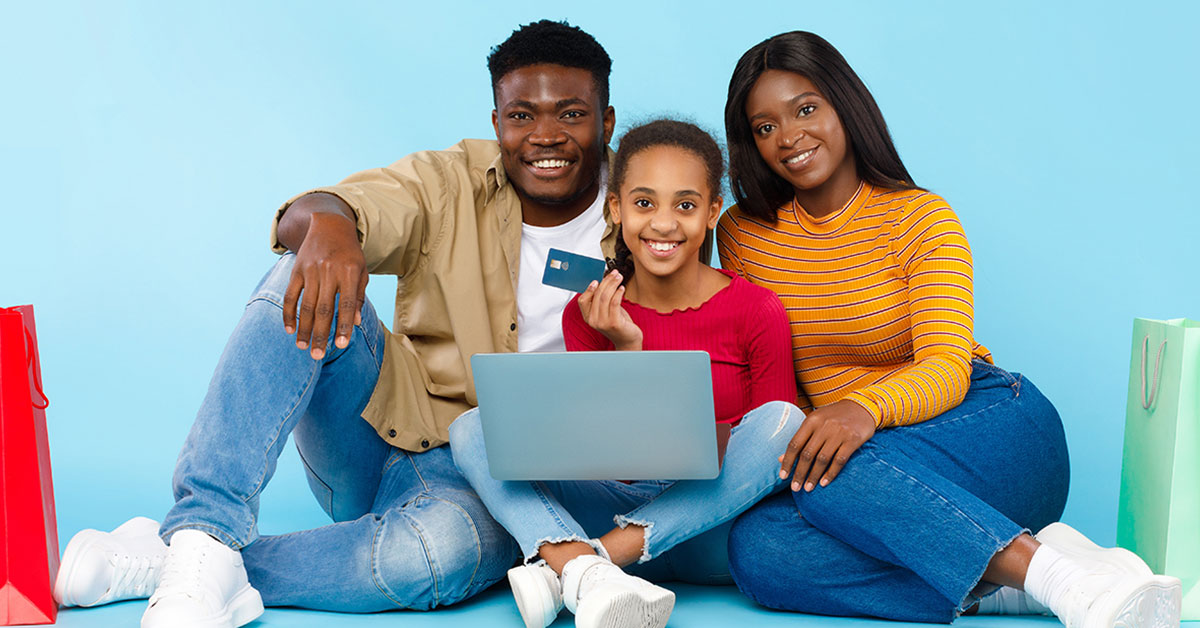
(601, 308)
(824, 443)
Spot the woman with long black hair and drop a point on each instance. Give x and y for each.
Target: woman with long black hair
(922, 467)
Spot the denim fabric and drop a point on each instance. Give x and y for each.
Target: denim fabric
(409, 531)
(907, 529)
(672, 512)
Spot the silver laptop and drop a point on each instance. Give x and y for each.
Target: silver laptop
(605, 415)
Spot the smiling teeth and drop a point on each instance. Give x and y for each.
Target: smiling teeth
(800, 157)
(551, 163)
(663, 246)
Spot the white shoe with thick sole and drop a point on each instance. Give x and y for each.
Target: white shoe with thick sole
(538, 593)
(1074, 544)
(1105, 600)
(603, 596)
(203, 585)
(102, 567)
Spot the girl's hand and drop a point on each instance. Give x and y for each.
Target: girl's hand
(824, 443)
(601, 308)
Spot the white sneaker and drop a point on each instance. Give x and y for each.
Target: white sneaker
(1107, 600)
(203, 585)
(603, 596)
(1074, 544)
(538, 593)
(101, 567)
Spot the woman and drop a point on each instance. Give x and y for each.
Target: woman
(918, 475)
(665, 194)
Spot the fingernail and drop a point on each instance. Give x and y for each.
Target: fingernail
(824, 482)
(782, 474)
(301, 344)
(795, 486)
(318, 353)
(289, 329)
(342, 342)
(809, 487)
(592, 285)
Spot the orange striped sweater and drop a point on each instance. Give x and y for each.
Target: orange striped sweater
(879, 295)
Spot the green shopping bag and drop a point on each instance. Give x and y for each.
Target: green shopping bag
(1159, 513)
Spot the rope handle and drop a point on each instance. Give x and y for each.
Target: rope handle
(33, 365)
(1147, 402)
(31, 350)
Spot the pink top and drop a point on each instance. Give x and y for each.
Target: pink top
(744, 329)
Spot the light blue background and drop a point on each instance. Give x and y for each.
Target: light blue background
(144, 147)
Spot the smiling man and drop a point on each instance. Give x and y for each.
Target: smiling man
(466, 231)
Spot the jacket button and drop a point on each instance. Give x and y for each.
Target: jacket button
(392, 433)
(424, 444)
(512, 327)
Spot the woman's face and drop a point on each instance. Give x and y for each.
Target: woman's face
(798, 133)
(665, 209)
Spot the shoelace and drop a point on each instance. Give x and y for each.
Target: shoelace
(181, 572)
(137, 575)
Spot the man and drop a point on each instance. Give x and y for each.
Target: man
(466, 231)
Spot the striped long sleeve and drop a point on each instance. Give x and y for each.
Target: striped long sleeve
(879, 297)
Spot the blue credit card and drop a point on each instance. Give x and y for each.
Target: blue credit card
(572, 272)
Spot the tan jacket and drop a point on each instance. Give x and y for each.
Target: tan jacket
(448, 224)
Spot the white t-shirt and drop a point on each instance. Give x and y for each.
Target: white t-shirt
(539, 307)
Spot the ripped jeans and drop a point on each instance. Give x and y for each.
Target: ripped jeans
(671, 512)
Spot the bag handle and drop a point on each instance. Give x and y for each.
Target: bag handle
(1147, 402)
(31, 351)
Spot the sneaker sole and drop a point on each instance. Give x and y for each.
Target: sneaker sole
(1154, 602)
(1069, 540)
(618, 606)
(244, 607)
(530, 595)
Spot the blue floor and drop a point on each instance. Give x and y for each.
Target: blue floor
(695, 607)
(287, 506)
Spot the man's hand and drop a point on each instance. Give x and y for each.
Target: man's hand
(601, 308)
(329, 277)
(824, 443)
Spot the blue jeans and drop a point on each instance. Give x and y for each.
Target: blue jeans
(409, 532)
(907, 529)
(671, 512)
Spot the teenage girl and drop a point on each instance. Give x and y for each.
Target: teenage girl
(664, 192)
(918, 476)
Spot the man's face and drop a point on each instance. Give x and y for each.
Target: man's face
(553, 132)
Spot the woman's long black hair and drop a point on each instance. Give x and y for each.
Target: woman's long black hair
(759, 192)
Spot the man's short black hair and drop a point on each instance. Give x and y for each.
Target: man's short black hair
(551, 42)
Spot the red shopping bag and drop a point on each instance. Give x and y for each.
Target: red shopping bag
(28, 533)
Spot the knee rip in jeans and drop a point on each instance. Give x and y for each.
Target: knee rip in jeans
(783, 419)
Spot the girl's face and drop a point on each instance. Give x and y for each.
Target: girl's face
(665, 209)
(798, 133)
